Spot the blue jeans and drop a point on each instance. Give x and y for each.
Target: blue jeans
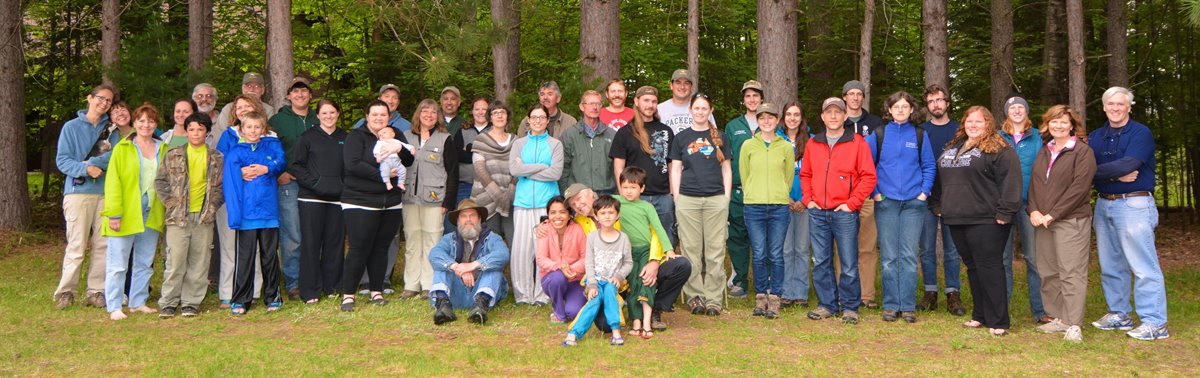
(606, 300)
(1125, 244)
(767, 226)
(1021, 221)
(825, 228)
(116, 264)
(796, 257)
(951, 262)
(491, 283)
(899, 224)
(289, 234)
(665, 206)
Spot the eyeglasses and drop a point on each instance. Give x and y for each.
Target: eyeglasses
(499, 112)
(102, 99)
(900, 107)
(204, 95)
(538, 118)
(592, 103)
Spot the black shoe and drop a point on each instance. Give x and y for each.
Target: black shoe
(190, 311)
(928, 302)
(478, 314)
(443, 312)
(167, 312)
(889, 315)
(954, 304)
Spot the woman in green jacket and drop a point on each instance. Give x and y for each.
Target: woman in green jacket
(768, 162)
(132, 213)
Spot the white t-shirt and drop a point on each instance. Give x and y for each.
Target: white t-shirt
(677, 117)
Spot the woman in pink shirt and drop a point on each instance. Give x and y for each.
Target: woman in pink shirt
(560, 260)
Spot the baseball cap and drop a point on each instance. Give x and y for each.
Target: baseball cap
(451, 89)
(253, 77)
(832, 101)
(389, 86)
(299, 82)
(768, 108)
(752, 84)
(646, 90)
(682, 74)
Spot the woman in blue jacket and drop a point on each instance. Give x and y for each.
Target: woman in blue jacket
(251, 200)
(796, 256)
(537, 163)
(1026, 139)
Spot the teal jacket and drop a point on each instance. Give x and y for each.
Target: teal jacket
(767, 171)
(123, 192)
(1027, 150)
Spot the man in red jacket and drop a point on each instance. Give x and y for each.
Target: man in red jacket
(837, 174)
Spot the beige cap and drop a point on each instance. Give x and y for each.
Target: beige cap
(389, 86)
(451, 89)
(253, 77)
(767, 108)
(752, 84)
(574, 189)
(682, 74)
(833, 101)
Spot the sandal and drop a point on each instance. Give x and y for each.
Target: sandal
(312, 301)
(570, 342)
(998, 331)
(617, 341)
(274, 306)
(237, 309)
(348, 304)
(377, 299)
(647, 334)
(972, 324)
(635, 332)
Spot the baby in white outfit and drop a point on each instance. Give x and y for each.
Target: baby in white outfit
(389, 162)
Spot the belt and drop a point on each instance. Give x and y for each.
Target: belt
(1124, 195)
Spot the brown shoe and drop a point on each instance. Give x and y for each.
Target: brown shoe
(96, 300)
(870, 303)
(773, 306)
(954, 304)
(760, 304)
(656, 322)
(409, 294)
(928, 302)
(64, 300)
(293, 294)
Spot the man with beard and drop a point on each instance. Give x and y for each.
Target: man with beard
(205, 96)
(644, 144)
(468, 267)
(940, 129)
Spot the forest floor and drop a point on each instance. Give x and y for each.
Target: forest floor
(400, 338)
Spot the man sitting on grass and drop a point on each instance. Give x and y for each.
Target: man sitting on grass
(468, 267)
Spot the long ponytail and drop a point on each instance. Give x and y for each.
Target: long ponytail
(639, 133)
(717, 141)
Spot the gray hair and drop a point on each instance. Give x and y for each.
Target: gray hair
(551, 85)
(1108, 94)
(204, 85)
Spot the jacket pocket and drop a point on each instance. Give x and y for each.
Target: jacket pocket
(328, 186)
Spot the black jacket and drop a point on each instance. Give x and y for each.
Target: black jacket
(362, 185)
(977, 187)
(866, 125)
(316, 161)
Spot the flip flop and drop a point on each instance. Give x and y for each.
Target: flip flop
(617, 341)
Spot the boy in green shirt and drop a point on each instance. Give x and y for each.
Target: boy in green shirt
(639, 220)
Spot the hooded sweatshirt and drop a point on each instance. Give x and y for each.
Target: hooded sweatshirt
(75, 143)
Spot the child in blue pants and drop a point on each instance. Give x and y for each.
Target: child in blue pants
(608, 262)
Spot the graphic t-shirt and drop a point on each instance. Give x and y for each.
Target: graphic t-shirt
(626, 146)
(616, 120)
(678, 117)
(701, 174)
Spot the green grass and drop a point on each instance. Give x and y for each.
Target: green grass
(400, 339)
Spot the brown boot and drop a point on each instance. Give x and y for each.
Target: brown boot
(773, 306)
(760, 304)
(64, 300)
(954, 304)
(96, 300)
(928, 302)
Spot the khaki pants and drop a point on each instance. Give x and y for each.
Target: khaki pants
(703, 225)
(185, 275)
(82, 213)
(422, 229)
(868, 254)
(1062, 262)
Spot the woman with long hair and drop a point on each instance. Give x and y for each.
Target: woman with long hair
(560, 261)
(1018, 130)
(796, 253)
(318, 165)
(177, 135)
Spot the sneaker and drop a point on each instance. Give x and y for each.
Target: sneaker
(737, 292)
(954, 304)
(96, 300)
(166, 312)
(849, 317)
(909, 316)
(760, 304)
(1149, 333)
(224, 304)
(362, 290)
(889, 315)
(389, 291)
(64, 300)
(1074, 334)
(928, 302)
(1054, 326)
(819, 313)
(1112, 321)
(190, 311)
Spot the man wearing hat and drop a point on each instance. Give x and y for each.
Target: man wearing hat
(288, 124)
(862, 122)
(674, 112)
(549, 95)
(738, 131)
(253, 85)
(448, 103)
(468, 267)
(834, 200)
(390, 95)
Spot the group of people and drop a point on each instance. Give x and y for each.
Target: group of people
(611, 218)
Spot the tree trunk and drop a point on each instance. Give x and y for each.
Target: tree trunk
(1076, 86)
(937, 57)
(200, 30)
(693, 42)
(14, 191)
(1002, 54)
(864, 53)
(600, 40)
(777, 60)
(110, 39)
(820, 67)
(280, 63)
(1118, 60)
(506, 51)
(1052, 59)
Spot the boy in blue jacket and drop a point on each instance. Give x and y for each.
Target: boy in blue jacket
(251, 199)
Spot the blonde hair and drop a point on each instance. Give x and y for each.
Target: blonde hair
(439, 124)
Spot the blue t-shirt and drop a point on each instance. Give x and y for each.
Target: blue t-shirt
(940, 135)
(1120, 151)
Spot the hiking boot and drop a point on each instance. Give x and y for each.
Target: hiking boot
(928, 302)
(954, 304)
(190, 311)
(773, 307)
(656, 322)
(1112, 321)
(478, 314)
(293, 294)
(409, 294)
(1149, 333)
(166, 312)
(849, 317)
(737, 292)
(443, 312)
(889, 315)
(1073, 334)
(909, 316)
(1054, 326)
(819, 313)
(697, 305)
(713, 310)
(870, 303)
(96, 300)
(760, 304)
(64, 300)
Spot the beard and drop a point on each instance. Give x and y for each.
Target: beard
(470, 232)
(207, 108)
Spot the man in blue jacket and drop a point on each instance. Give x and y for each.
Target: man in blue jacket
(468, 267)
(83, 150)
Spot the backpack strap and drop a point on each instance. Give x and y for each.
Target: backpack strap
(879, 142)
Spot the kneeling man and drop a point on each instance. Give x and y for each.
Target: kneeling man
(468, 267)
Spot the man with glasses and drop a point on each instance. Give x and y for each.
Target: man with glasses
(940, 129)
(205, 96)
(585, 149)
(1125, 218)
(253, 85)
(862, 122)
(549, 95)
